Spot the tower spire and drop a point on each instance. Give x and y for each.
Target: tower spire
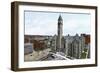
(60, 17)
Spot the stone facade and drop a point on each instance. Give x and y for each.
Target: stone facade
(74, 46)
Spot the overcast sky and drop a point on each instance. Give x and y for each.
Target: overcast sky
(45, 23)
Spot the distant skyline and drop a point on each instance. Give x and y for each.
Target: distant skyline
(45, 23)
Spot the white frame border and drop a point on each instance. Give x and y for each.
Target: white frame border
(23, 64)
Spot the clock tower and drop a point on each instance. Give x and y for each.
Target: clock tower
(60, 32)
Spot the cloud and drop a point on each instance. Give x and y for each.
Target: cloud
(77, 24)
(37, 23)
(41, 27)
